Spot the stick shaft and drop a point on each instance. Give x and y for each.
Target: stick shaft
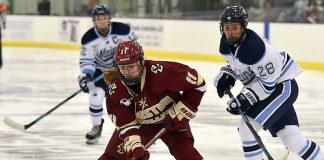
(254, 133)
(25, 127)
(51, 110)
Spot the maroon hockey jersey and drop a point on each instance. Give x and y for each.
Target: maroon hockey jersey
(163, 84)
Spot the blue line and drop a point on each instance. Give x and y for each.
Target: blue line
(267, 30)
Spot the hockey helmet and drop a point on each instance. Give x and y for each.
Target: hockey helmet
(128, 52)
(100, 9)
(233, 14)
(101, 25)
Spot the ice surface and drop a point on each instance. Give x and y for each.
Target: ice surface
(34, 80)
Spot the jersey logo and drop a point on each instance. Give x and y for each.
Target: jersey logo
(106, 54)
(94, 47)
(245, 76)
(126, 102)
(156, 68)
(120, 148)
(142, 102)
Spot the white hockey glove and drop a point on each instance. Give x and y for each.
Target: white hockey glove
(224, 80)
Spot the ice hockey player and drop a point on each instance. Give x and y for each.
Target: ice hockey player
(269, 91)
(97, 52)
(146, 96)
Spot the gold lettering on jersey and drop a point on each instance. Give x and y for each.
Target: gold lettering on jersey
(156, 68)
(112, 88)
(191, 78)
(154, 113)
(120, 148)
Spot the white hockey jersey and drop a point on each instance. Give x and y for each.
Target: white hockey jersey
(97, 52)
(258, 65)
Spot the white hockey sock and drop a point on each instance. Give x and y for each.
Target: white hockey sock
(251, 148)
(95, 106)
(296, 142)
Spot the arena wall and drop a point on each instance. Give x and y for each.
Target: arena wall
(169, 39)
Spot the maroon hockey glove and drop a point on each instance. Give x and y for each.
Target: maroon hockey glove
(177, 116)
(135, 149)
(138, 154)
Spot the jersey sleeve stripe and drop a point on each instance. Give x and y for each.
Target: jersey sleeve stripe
(86, 59)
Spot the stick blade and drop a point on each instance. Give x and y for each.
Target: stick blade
(14, 124)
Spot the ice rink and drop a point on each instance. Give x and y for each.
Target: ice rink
(34, 80)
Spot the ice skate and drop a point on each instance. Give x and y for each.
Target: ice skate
(92, 137)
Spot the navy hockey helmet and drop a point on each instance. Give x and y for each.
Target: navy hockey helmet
(100, 9)
(128, 52)
(102, 24)
(233, 14)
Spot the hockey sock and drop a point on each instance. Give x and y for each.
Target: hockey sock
(296, 142)
(251, 148)
(95, 108)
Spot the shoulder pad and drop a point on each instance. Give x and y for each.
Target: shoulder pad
(252, 48)
(119, 28)
(89, 36)
(223, 47)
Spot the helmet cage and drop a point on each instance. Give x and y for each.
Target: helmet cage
(128, 52)
(132, 81)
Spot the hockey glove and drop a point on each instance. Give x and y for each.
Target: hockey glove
(243, 101)
(178, 116)
(85, 82)
(135, 149)
(224, 80)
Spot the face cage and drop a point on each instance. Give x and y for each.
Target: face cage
(102, 30)
(134, 80)
(221, 28)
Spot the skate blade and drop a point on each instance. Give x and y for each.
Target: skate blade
(92, 141)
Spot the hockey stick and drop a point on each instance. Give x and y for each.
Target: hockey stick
(22, 127)
(157, 136)
(247, 122)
